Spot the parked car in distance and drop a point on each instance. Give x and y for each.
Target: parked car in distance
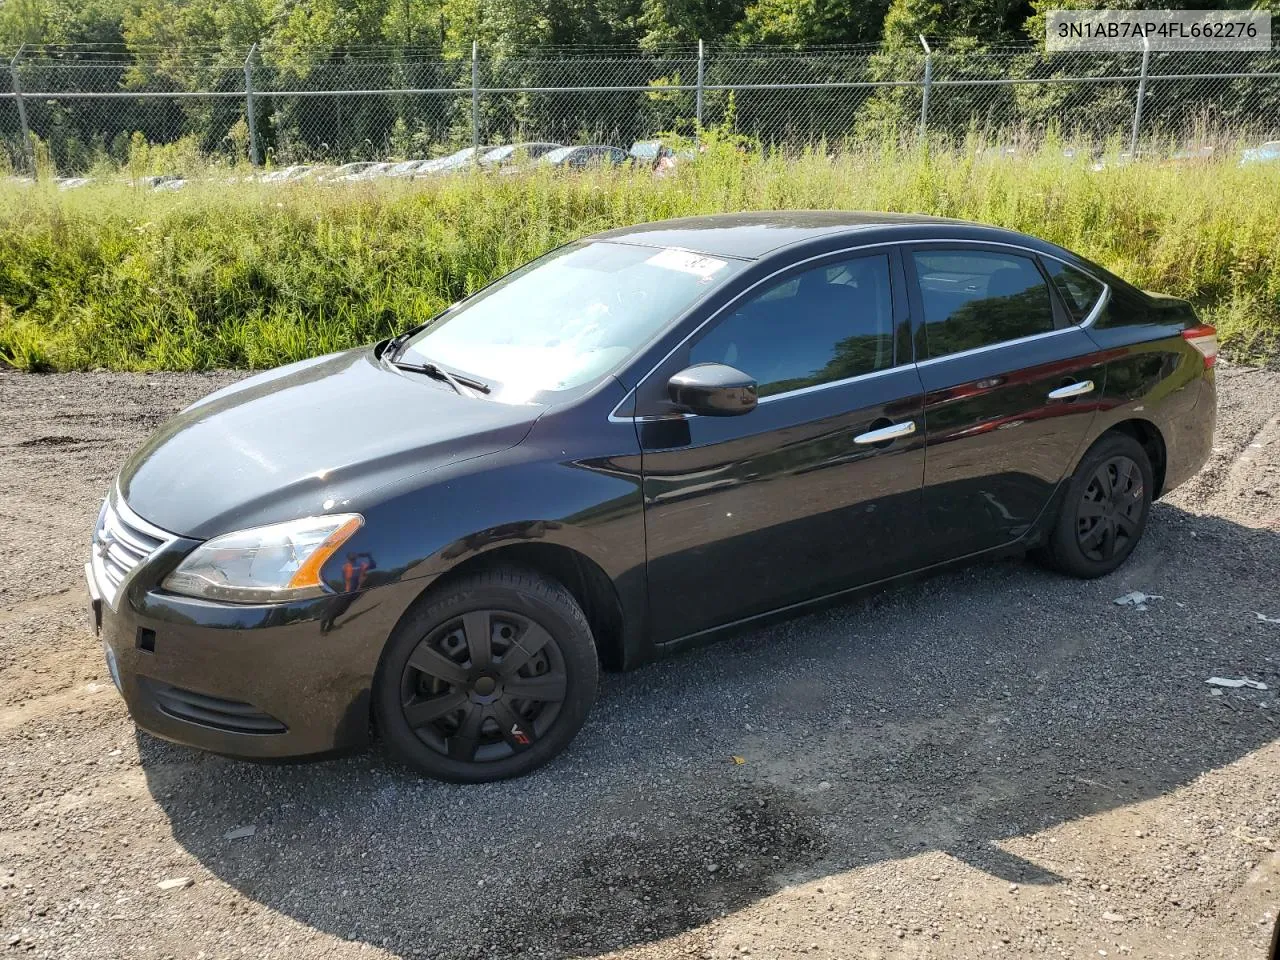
(369, 172)
(285, 174)
(459, 160)
(516, 154)
(349, 170)
(641, 441)
(1201, 154)
(650, 151)
(159, 181)
(585, 157)
(404, 168)
(655, 155)
(1268, 152)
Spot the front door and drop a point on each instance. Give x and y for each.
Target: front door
(815, 490)
(1011, 384)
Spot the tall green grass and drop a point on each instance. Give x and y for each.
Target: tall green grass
(243, 275)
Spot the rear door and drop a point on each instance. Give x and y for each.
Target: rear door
(1011, 385)
(798, 498)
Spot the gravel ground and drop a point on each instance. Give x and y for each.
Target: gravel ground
(990, 761)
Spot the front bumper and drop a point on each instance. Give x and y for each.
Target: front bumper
(267, 682)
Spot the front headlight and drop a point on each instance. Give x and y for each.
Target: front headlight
(264, 564)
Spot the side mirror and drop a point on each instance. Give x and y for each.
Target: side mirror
(713, 390)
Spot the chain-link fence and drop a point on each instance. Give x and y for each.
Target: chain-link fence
(80, 107)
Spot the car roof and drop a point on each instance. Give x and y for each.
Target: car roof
(750, 236)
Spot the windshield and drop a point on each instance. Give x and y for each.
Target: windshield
(568, 318)
(558, 154)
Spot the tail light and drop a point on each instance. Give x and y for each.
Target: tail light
(1205, 339)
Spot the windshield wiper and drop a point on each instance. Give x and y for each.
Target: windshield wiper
(440, 373)
(396, 343)
(395, 346)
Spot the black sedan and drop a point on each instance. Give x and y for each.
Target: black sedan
(637, 442)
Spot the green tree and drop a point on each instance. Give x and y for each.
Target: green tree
(22, 21)
(60, 21)
(987, 21)
(800, 22)
(310, 28)
(666, 22)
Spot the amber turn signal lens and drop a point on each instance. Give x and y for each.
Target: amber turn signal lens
(308, 575)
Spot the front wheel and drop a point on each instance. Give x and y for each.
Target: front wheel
(488, 678)
(1104, 510)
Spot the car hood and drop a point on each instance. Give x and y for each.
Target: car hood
(311, 438)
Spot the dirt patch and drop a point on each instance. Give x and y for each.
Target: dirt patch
(993, 761)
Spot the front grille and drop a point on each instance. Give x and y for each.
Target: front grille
(122, 541)
(231, 715)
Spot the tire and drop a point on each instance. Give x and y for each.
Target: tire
(445, 695)
(1090, 541)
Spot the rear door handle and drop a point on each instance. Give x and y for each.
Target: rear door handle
(894, 432)
(1072, 390)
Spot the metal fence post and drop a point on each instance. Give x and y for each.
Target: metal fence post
(1142, 95)
(255, 157)
(927, 86)
(475, 100)
(25, 130)
(832, 100)
(701, 74)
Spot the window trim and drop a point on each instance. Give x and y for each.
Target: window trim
(1094, 313)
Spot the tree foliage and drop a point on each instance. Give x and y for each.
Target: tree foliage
(309, 46)
(336, 26)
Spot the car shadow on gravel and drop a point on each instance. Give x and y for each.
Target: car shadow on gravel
(950, 715)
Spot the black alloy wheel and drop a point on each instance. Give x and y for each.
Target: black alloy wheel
(1103, 509)
(487, 677)
(483, 686)
(1109, 513)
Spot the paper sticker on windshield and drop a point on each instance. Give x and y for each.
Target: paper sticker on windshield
(686, 262)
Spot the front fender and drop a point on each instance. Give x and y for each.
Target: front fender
(527, 495)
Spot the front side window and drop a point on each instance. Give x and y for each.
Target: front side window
(975, 299)
(569, 317)
(1078, 289)
(826, 324)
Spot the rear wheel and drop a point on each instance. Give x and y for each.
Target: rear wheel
(487, 679)
(1104, 510)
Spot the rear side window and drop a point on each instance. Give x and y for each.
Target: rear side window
(826, 324)
(1078, 289)
(977, 299)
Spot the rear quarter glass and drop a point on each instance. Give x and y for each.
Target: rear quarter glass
(1079, 291)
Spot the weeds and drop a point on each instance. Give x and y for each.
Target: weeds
(234, 274)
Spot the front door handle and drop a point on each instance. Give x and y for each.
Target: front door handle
(1072, 390)
(894, 432)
